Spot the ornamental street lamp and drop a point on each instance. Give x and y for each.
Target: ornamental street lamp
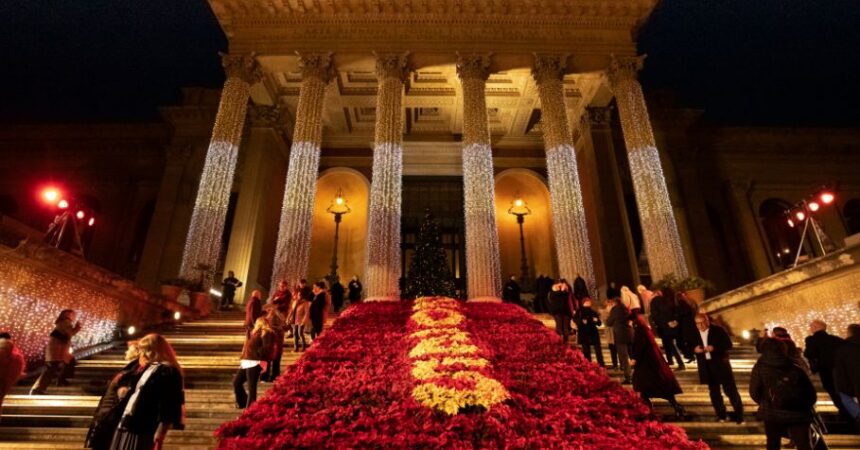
(338, 208)
(520, 209)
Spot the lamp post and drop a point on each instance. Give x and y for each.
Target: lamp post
(338, 208)
(521, 210)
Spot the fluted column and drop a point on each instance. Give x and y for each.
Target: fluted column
(383, 230)
(482, 237)
(203, 244)
(568, 212)
(659, 229)
(294, 232)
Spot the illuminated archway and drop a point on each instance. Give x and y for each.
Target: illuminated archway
(540, 247)
(353, 227)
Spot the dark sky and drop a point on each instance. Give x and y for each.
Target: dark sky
(787, 62)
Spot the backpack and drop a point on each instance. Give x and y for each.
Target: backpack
(786, 391)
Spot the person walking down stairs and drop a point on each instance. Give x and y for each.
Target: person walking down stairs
(57, 353)
(113, 402)
(711, 345)
(259, 348)
(652, 377)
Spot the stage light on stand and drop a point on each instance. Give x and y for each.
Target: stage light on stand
(790, 222)
(827, 197)
(63, 204)
(800, 215)
(80, 214)
(51, 195)
(92, 221)
(813, 206)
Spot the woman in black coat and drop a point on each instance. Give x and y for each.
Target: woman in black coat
(318, 305)
(652, 377)
(785, 396)
(587, 321)
(113, 402)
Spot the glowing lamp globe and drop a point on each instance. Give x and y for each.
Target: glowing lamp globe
(827, 198)
(518, 202)
(339, 200)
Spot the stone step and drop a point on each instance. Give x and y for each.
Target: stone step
(78, 435)
(81, 421)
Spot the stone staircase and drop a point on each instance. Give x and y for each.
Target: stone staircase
(208, 350)
(729, 435)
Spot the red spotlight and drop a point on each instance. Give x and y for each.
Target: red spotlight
(80, 214)
(813, 206)
(51, 195)
(801, 216)
(92, 221)
(790, 223)
(827, 198)
(63, 204)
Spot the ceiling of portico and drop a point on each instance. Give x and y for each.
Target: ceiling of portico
(433, 102)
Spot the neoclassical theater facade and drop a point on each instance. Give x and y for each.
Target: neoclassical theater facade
(459, 107)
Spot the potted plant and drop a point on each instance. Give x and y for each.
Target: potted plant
(172, 287)
(695, 288)
(200, 299)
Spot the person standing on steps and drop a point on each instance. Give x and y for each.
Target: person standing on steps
(820, 351)
(541, 293)
(846, 374)
(318, 309)
(785, 396)
(354, 290)
(612, 290)
(711, 346)
(258, 349)
(300, 319)
(57, 353)
(511, 291)
(253, 311)
(610, 338)
(337, 292)
(619, 321)
(580, 290)
(11, 366)
(277, 321)
(652, 377)
(229, 286)
(664, 314)
(630, 300)
(112, 404)
(560, 308)
(646, 296)
(587, 321)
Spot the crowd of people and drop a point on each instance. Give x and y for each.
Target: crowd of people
(780, 382)
(146, 398)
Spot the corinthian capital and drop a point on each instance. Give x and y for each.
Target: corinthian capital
(316, 65)
(623, 68)
(473, 66)
(391, 65)
(599, 117)
(264, 115)
(244, 67)
(548, 67)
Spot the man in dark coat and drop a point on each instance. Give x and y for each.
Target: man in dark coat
(612, 290)
(317, 309)
(665, 316)
(820, 352)
(559, 306)
(541, 293)
(229, 286)
(711, 345)
(337, 292)
(619, 320)
(846, 373)
(587, 320)
(580, 289)
(354, 290)
(511, 292)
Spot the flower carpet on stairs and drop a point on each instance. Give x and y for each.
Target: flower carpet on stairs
(437, 373)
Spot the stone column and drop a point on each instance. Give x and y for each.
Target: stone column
(568, 213)
(482, 239)
(382, 274)
(203, 244)
(246, 236)
(159, 229)
(659, 229)
(294, 232)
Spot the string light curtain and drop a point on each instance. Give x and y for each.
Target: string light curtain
(203, 244)
(569, 224)
(662, 241)
(382, 276)
(482, 237)
(294, 233)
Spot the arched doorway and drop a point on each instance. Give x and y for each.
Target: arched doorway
(537, 229)
(353, 227)
(782, 238)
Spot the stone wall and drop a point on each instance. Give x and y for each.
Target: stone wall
(38, 281)
(827, 288)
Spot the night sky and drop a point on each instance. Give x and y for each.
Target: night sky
(789, 62)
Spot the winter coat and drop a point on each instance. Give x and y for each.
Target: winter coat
(354, 291)
(820, 351)
(511, 292)
(651, 374)
(663, 311)
(846, 370)
(337, 292)
(11, 369)
(160, 401)
(604, 314)
(301, 313)
(718, 369)
(587, 320)
(60, 341)
(253, 311)
(559, 303)
(318, 310)
(111, 406)
(618, 320)
(763, 380)
(260, 346)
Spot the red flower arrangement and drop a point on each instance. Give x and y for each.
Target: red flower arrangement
(354, 389)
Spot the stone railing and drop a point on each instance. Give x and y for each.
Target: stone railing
(38, 281)
(825, 288)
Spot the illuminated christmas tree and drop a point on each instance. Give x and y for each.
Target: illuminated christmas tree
(429, 273)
